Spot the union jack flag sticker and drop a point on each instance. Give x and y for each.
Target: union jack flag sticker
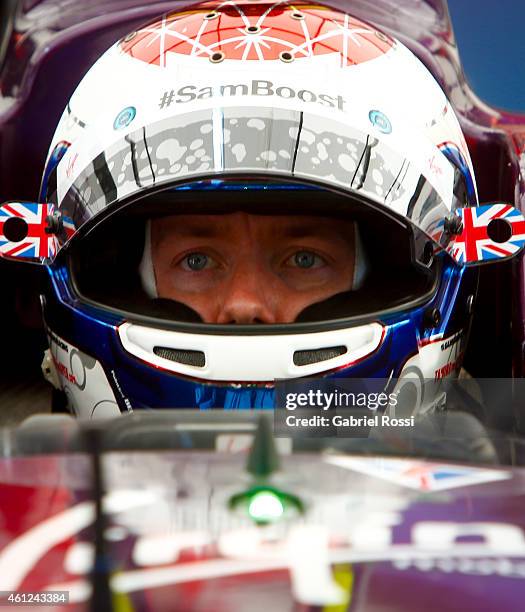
(32, 242)
(476, 243)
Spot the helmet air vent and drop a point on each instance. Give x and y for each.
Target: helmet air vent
(286, 56)
(253, 357)
(217, 57)
(196, 359)
(302, 358)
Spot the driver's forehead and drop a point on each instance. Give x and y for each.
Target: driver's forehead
(232, 226)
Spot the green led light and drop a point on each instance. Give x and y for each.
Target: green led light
(265, 506)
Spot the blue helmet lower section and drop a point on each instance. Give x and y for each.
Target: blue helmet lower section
(140, 385)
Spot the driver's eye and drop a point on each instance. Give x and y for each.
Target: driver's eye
(196, 261)
(305, 260)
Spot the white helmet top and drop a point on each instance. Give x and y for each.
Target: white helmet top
(296, 91)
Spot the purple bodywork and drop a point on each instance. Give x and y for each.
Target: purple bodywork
(420, 536)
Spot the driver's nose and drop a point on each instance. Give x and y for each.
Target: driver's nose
(248, 298)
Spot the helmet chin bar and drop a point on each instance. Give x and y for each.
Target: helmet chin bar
(32, 232)
(256, 358)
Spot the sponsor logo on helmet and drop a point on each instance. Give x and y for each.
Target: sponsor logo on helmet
(256, 87)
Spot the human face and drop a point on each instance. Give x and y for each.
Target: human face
(243, 268)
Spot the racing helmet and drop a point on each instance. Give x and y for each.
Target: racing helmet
(266, 112)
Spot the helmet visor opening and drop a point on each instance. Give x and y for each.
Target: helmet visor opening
(251, 256)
